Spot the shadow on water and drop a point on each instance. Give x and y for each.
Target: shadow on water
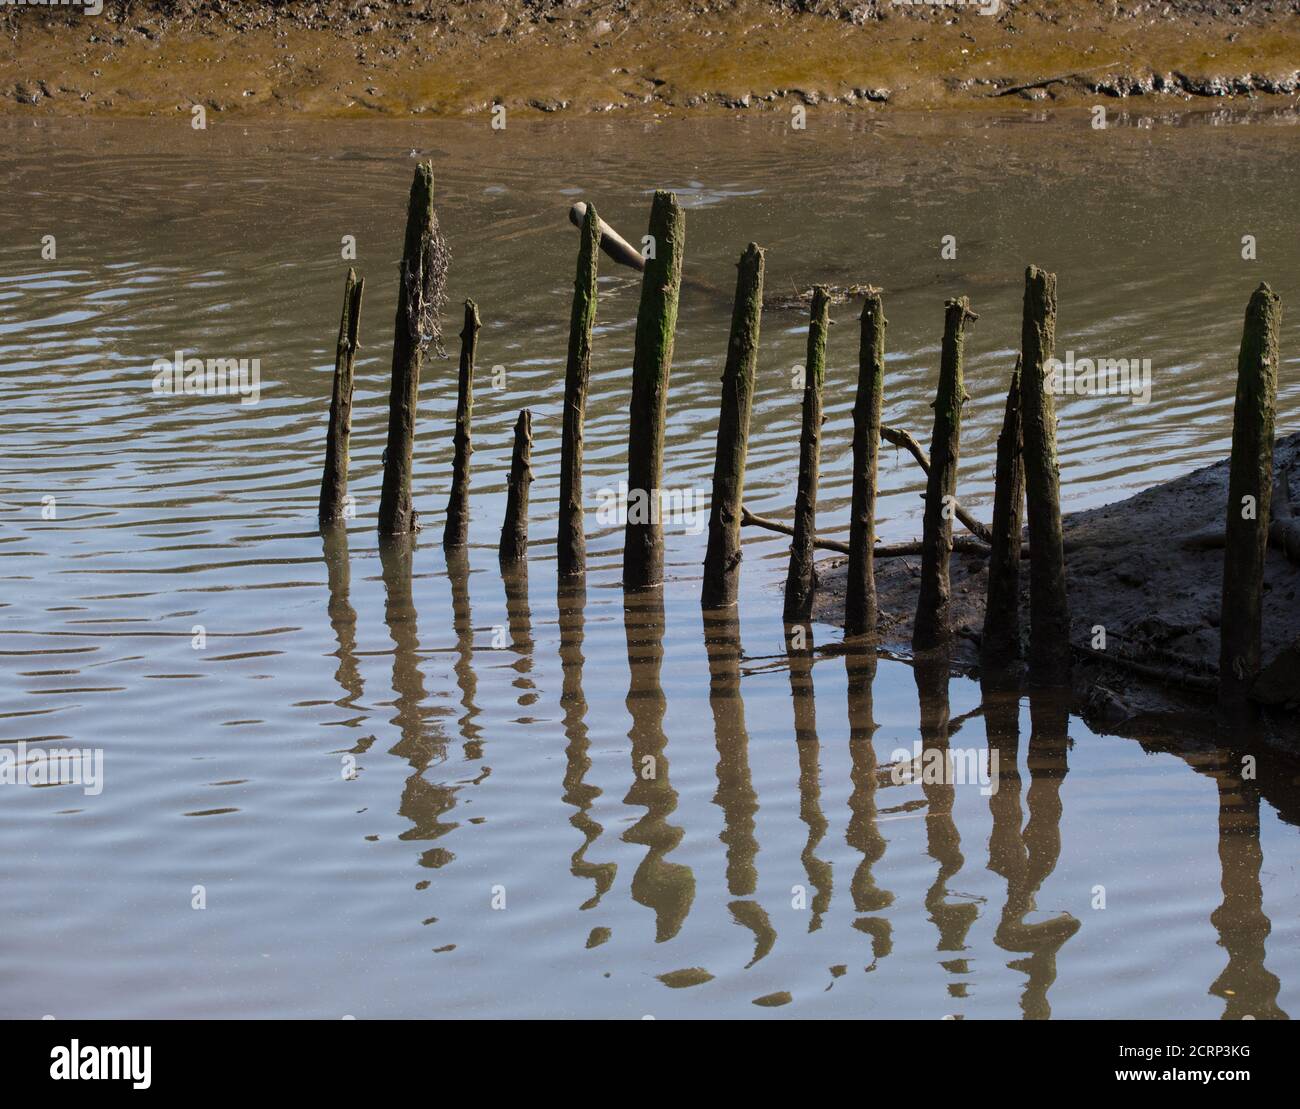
(1024, 843)
(424, 803)
(735, 795)
(578, 792)
(953, 918)
(863, 833)
(667, 888)
(462, 623)
(799, 645)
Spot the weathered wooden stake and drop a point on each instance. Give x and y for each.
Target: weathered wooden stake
(514, 533)
(1000, 642)
(931, 627)
(860, 596)
(799, 582)
(396, 512)
(656, 321)
(1049, 611)
(1250, 490)
(571, 540)
(334, 482)
(456, 531)
(722, 559)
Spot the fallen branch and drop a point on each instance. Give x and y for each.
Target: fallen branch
(1042, 82)
(961, 544)
(900, 438)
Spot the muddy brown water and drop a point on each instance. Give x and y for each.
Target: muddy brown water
(403, 787)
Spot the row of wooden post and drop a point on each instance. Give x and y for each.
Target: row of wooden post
(1027, 471)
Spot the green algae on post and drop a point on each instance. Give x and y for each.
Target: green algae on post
(931, 626)
(514, 532)
(1250, 490)
(419, 289)
(1049, 610)
(1000, 641)
(799, 582)
(860, 595)
(334, 481)
(722, 558)
(455, 532)
(571, 539)
(656, 323)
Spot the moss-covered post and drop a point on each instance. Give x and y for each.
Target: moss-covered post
(514, 533)
(1049, 610)
(455, 532)
(931, 627)
(656, 322)
(1250, 488)
(1000, 641)
(799, 582)
(334, 480)
(722, 559)
(860, 594)
(571, 540)
(397, 515)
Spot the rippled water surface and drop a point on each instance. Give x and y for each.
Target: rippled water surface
(409, 788)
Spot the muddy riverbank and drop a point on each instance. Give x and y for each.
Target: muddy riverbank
(332, 58)
(1148, 571)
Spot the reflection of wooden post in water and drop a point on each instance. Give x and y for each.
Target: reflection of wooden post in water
(455, 532)
(423, 802)
(571, 540)
(860, 595)
(1049, 610)
(722, 559)
(334, 481)
(667, 888)
(799, 582)
(931, 627)
(656, 322)
(1000, 642)
(1048, 764)
(578, 793)
(1009, 847)
(1250, 476)
(462, 622)
(343, 617)
(514, 532)
(943, 841)
(863, 833)
(519, 618)
(799, 649)
(1247, 987)
(396, 513)
(735, 795)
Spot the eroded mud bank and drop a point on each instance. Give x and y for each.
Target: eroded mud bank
(339, 58)
(1148, 571)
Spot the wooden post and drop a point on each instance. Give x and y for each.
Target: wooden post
(860, 594)
(456, 531)
(514, 533)
(571, 540)
(1049, 610)
(1250, 490)
(656, 321)
(396, 513)
(799, 580)
(334, 481)
(931, 627)
(1000, 642)
(722, 560)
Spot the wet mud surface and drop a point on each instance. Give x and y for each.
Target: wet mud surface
(1146, 569)
(351, 59)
